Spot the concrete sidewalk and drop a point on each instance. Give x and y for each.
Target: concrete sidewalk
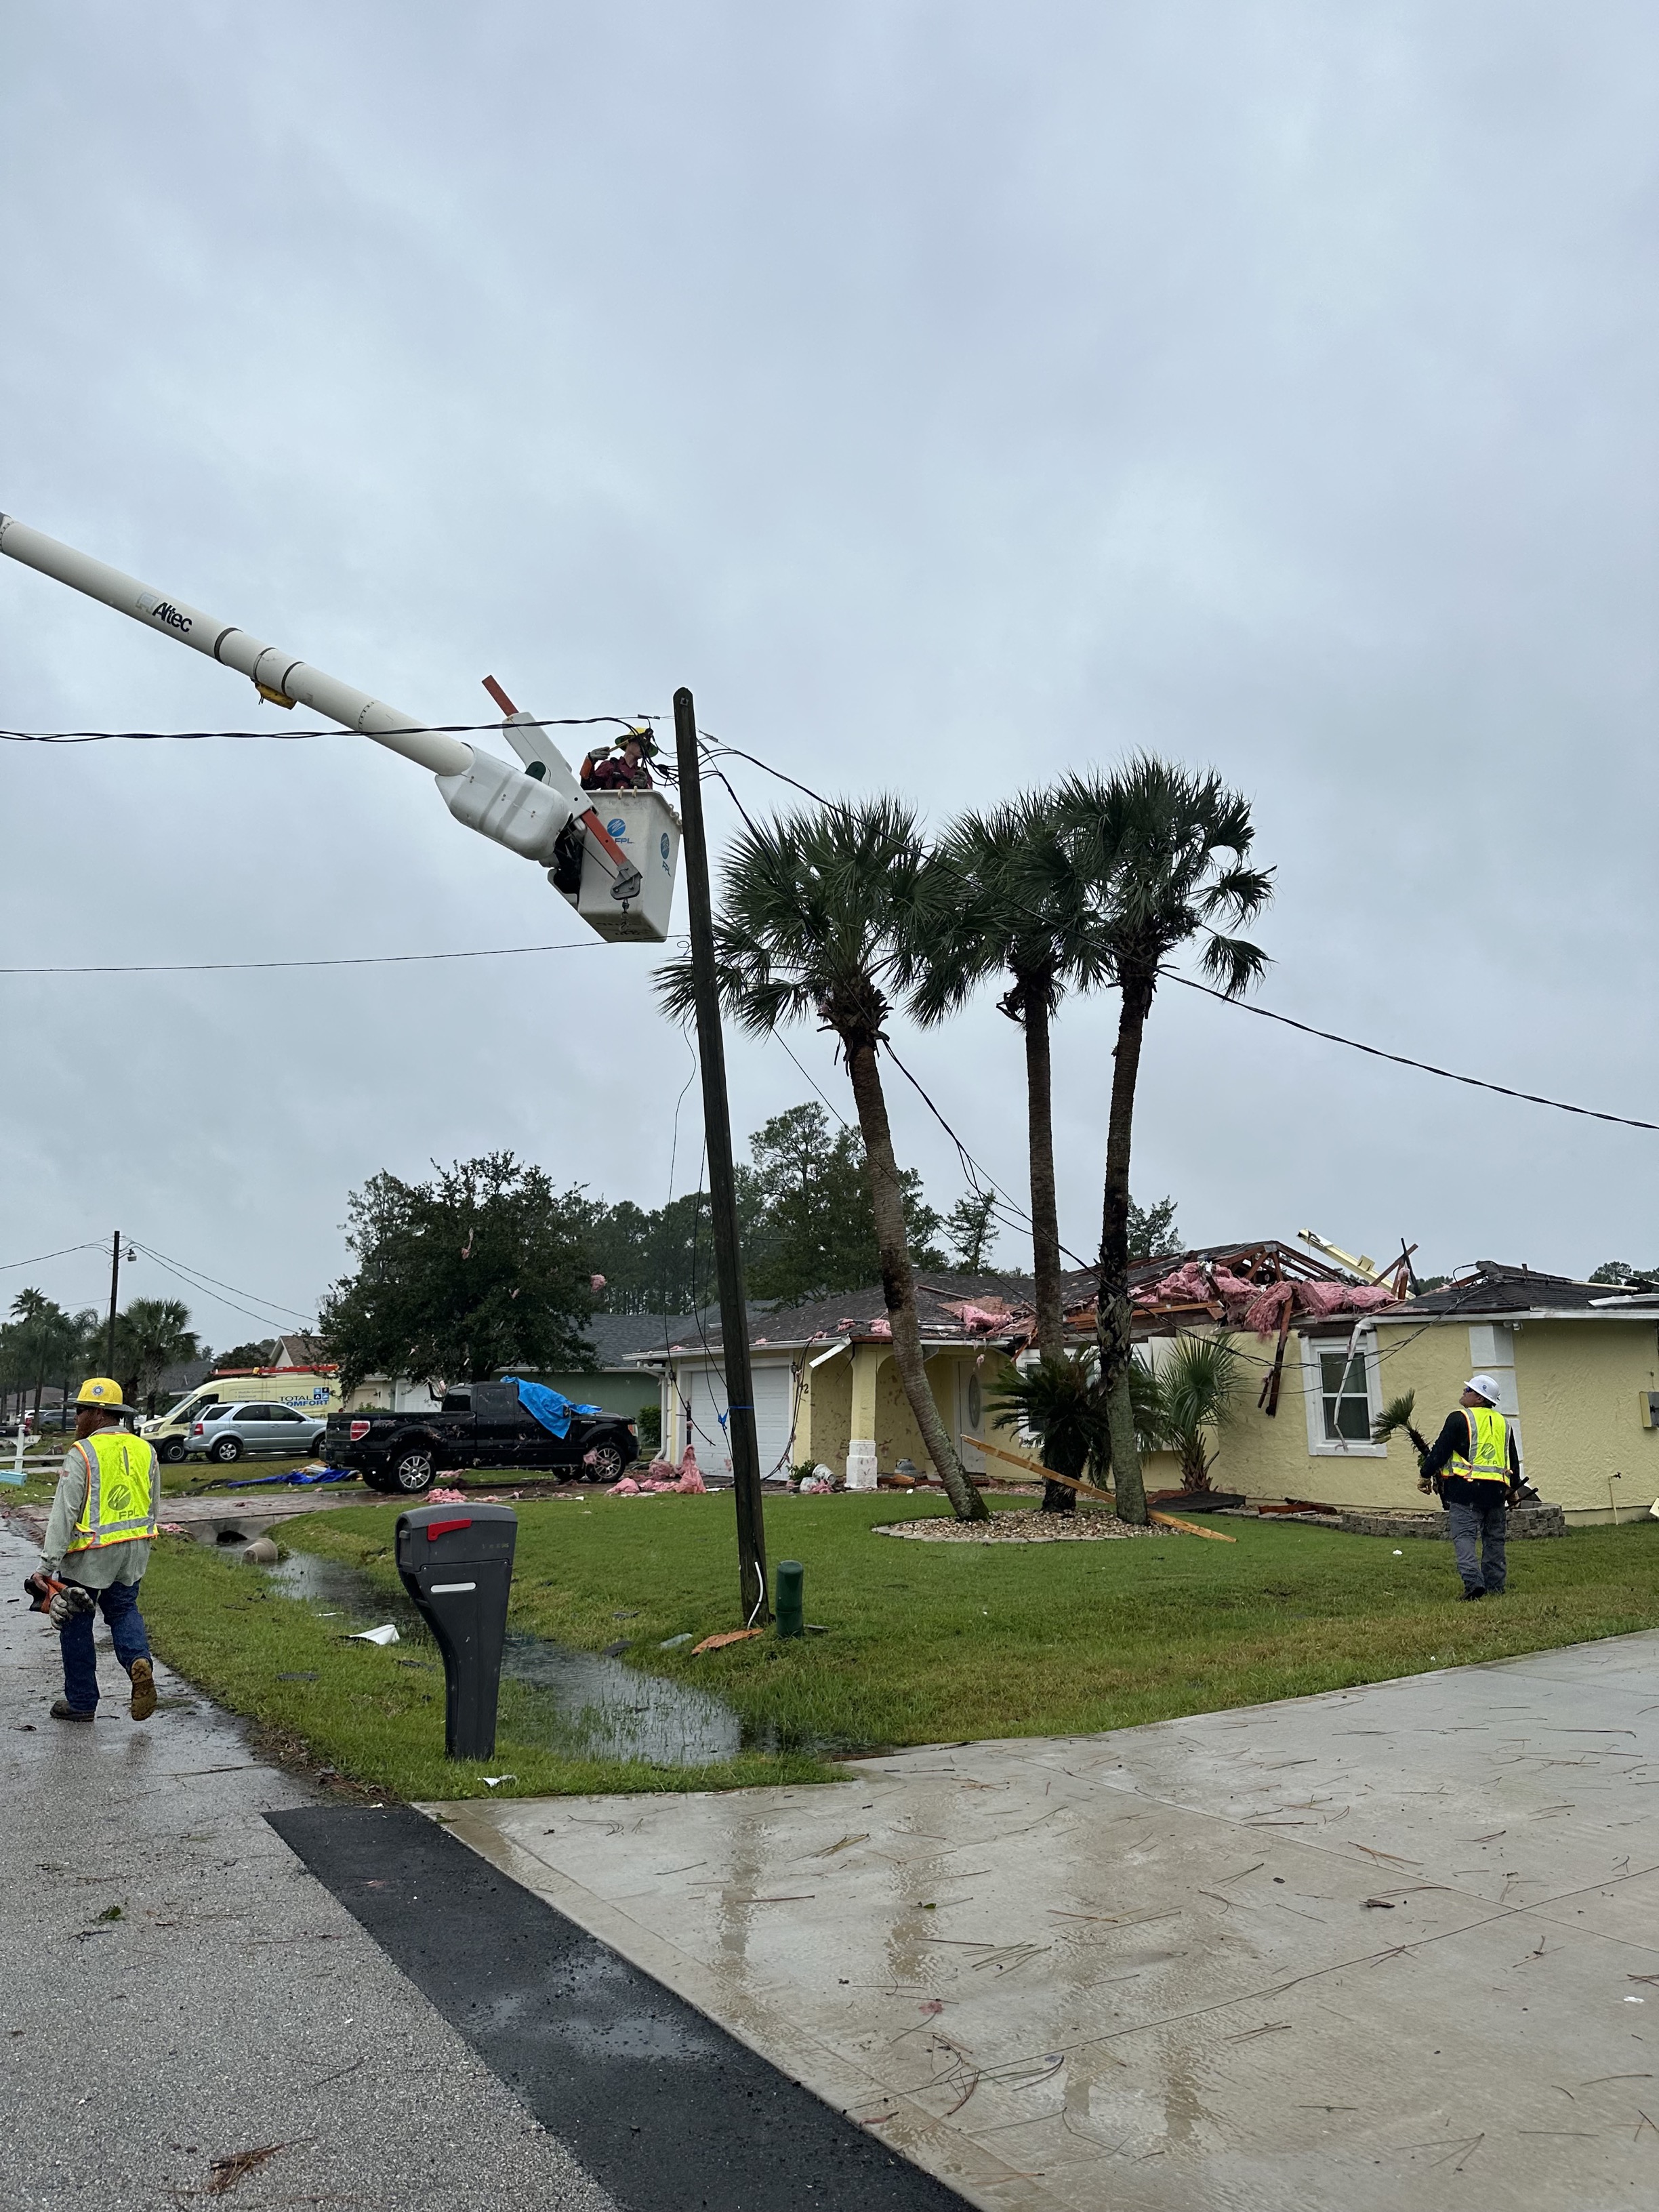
(175, 1987)
(1389, 1949)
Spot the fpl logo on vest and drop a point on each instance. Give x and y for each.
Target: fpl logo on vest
(159, 611)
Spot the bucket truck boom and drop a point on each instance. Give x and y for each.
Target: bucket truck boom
(617, 872)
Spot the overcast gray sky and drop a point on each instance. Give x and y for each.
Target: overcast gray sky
(950, 394)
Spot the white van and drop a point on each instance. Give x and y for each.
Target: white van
(307, 1390)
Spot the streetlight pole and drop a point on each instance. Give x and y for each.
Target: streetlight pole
(722, 1183)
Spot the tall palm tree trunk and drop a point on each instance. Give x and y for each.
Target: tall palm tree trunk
(1114, 1315)
(1045, 1208)
(898, 1280)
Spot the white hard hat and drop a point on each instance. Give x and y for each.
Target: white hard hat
(1484, 1385)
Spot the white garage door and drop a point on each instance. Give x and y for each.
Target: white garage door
(705, 1389)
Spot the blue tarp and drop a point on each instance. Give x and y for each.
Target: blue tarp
(301, 1477)
(550, 1407)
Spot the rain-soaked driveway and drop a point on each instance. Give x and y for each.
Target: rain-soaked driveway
(1392, 1947)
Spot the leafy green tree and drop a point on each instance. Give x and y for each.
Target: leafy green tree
(249, 1355)
(661, 1262)
(1152, 1233)
(971, 1226)
(1168, 850)
(1005, 896)
(1615, 1273)
(808, 1223)
(485, 1267)
(818, 917)
(151, 1336)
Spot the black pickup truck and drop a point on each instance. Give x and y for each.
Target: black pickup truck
(478, 1425)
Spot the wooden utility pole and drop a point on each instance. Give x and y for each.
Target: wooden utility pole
(114, 1293)
(722, 1183)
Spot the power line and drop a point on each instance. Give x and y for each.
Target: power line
(183, 1267)
(510, 952)
(1330, 1036)
(93, 1244)
(1400, 1059)
(355, 960)
(296, 737)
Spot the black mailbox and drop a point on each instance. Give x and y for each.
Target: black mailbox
(455, 1562)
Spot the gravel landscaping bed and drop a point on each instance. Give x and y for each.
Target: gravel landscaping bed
(1018, 1528)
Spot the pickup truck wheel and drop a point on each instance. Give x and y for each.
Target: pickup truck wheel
(171, 1452)
(609, 1465)
(227, 1449)
(411, 1471)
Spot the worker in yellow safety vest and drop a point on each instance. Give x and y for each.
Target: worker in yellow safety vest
(1475, 1465)
(96, 1548)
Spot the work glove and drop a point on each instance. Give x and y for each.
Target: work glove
(67, 1605)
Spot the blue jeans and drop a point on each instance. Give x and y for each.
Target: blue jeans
(127, 1626)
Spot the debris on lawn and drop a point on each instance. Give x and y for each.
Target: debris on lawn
(1190, 1528)
(729, 1636)
(660, 1475)
(386, 1633)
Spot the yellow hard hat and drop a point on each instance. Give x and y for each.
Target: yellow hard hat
(99, 1390)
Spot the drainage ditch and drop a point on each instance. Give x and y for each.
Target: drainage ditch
(577, 1702)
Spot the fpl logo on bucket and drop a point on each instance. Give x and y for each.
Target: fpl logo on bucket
(617, 829)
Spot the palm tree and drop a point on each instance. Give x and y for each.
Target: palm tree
(1194, 1388)
(36, 1337)
(1168, 850)
(1004, 896)
(1061, 1403)
(152, 1334)
(818, 912)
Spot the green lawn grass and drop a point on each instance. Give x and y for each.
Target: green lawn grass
(925, 1644)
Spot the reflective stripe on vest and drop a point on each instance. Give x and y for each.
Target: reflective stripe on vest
(1488, 1459)
(120, 1504)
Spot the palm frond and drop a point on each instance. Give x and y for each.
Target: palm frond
(1395, 1419)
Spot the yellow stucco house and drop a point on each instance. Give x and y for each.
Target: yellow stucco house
(1577, 1364)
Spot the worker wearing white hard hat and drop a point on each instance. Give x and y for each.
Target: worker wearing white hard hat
(96, 1550)
(1475, 1465)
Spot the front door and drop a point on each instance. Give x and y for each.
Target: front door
(971, 1415)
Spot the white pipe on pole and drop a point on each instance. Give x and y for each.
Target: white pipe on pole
(264, 665)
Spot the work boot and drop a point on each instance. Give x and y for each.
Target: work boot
(143, 1690)
(1470, 1595)
(63, 1710)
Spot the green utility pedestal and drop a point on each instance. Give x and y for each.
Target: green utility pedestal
(790, 1604)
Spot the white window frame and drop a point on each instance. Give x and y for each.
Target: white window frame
(1320, 1446)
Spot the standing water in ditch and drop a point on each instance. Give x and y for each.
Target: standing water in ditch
(570, 1701)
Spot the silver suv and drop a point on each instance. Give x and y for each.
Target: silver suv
(234, 1431)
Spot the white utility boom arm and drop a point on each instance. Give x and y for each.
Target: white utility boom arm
(537, 810)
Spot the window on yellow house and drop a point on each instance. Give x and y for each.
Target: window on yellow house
(1347, 1405)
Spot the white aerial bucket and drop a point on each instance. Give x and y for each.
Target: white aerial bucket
(647, 829)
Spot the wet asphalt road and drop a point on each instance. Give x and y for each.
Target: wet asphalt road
(400, 2026)
(232, 2005)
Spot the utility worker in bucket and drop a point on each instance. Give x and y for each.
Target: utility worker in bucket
(96, 1548)
(627, 770)
(1476, 1467)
